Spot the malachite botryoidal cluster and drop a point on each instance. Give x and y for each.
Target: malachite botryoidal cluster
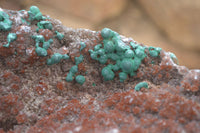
(71, 74)
(141, 85)
(59, 35)
(56, 58)
(83, 45)
(5, 22)
(44, 25)
(79, 59)
(41, 51)
(154, 51)
(80, 79)
(10, 38)
(35, 14)
(127, 58)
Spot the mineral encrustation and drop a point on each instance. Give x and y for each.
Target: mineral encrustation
(58, 79)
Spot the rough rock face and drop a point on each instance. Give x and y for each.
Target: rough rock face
(57, 79)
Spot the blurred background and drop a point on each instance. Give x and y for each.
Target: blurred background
(169, 24)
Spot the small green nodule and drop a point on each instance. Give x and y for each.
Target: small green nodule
(59, 35)
(122, 76)
(38, 38)
(79, 59)
(56, 58)
(80, 79)
(106, 33)
(97, 47)
(10, 38)
(127, 65)
(34, 13)
(74, 69)
(5, 22)
(107, 73)
(44, 25)
(141, 85)
(154, 51)
(41, 51)
(69, 77)
(46, 44)
(109, 46)
(83, 45)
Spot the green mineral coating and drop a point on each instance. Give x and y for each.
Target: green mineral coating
(34, 13)
(41, 51)
(115, 67)
(59, 35)
(154, 51)
(101, 51)
(140, 52)
(99, 55)
(74, 69)
(106, 33)
(128, 65)
(129, 53)
(44, 25)
(121, 46)
(80, 79)
(174, 58)
(134, 45)
(97, 47)
(38, 38)
(109, 46)
(127, 58)
(93, 54)
(83, 45)
(70, 77)
(107, 73)
(93, 84)
(141, 85)
(65, 56)
(56, 58)
(5, 22)
(10, 38)
(137, 62)
(113, 56)
(79, 59)
(46, 44)
(103, 59)
(122, 76)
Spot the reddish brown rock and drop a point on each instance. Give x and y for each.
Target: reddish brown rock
(35, 97)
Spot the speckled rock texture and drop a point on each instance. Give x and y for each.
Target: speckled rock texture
(35, 97)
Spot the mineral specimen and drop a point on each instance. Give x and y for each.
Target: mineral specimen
(57, 79)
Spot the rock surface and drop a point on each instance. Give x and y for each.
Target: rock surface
(127, 17)
(35, 97)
